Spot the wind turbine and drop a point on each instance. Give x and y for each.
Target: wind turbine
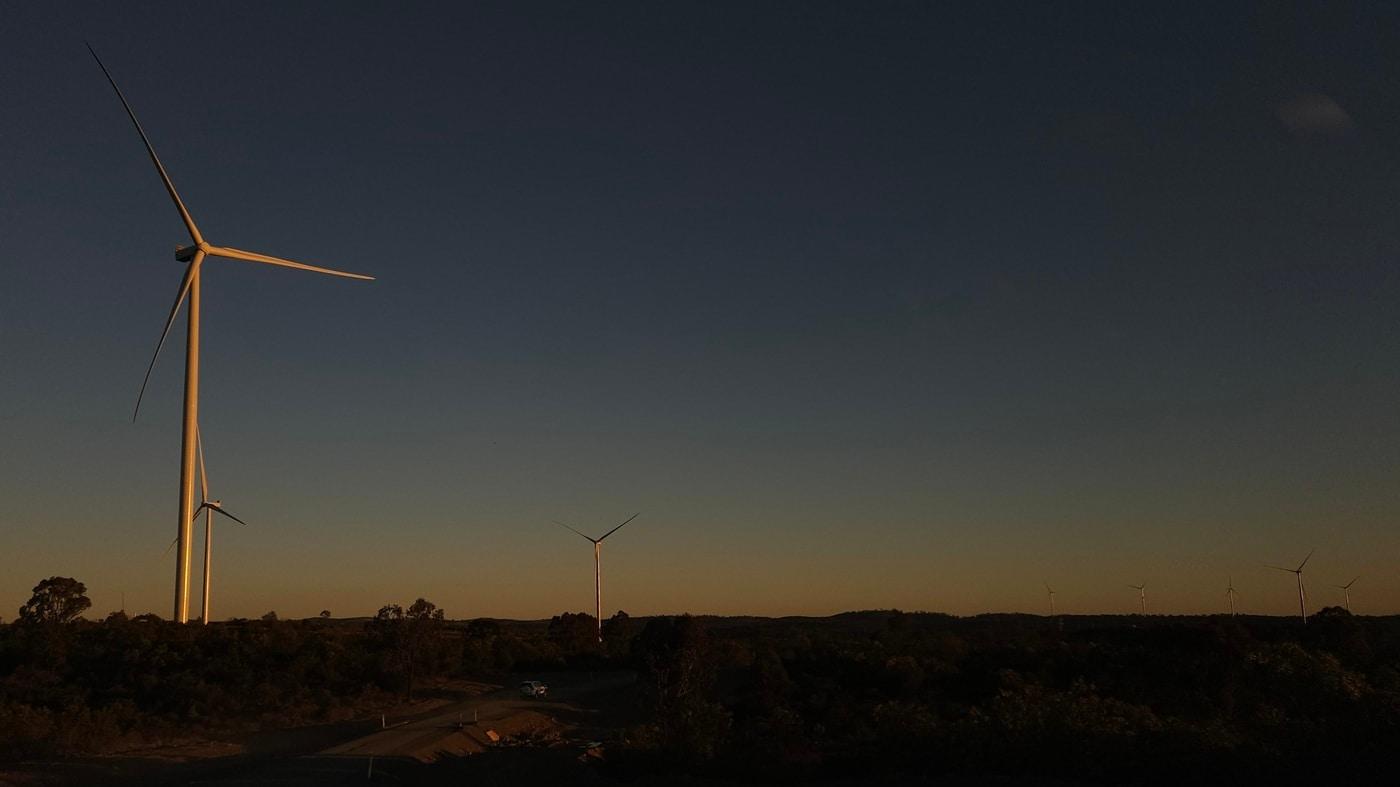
(1302, 593)
(1050, 594)
(598, 569)
(193, 255)
(209, 507)
(1230, 595)
(1142, 596)
(1346, 591)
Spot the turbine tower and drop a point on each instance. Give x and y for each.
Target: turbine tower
(1142, 596)
(193, 256)
(209, 507)
(1050, 594)
(1346, 591)
(1302, 593)
(598, 569)
(1230, 595)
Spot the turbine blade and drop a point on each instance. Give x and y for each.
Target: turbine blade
(1280, 568)
(197, 510)
(1352, 582)
(174, 310)
(619, 527)
(169, 187)
(570, 527)
(227, 514)
(172, 546)
(203, 479)
(248, 256)
(1305, 560)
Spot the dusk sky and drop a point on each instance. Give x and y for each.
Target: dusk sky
(861, 305)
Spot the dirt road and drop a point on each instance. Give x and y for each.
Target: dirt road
(582, 709)
(524, 741)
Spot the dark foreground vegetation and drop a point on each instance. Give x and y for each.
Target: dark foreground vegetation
(871, 697)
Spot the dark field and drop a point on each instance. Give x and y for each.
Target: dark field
(867, 697)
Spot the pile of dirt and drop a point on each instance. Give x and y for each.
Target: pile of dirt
(520, 729)
(458, 743)
(527, 727)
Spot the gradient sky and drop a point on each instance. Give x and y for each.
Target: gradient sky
(861, 305)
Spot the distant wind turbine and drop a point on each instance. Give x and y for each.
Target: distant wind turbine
(1142, 596)
(598, 569)
(1230, 595)
(1050, 594)
(193, 255)
(1346, 591)
(1302, 593)
(209, 507)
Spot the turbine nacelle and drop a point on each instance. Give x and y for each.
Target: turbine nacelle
(185, 253)
(217, 508)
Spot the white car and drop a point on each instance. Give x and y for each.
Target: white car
(534, 689)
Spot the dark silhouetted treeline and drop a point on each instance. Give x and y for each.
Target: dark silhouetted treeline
(887, 697)
(872, 697)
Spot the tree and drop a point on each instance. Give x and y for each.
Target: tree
(574, 633)
(410, 640)
(55, 600)
(618, 631)
(326, 614)
(619, 626)
(678, 676)
(270, 616)
(424, 610)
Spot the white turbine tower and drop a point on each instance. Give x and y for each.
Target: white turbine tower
(598, 569)
(1142, 596)
(1302, 592)
(1050, 595)
(209, 507)
(1346, 591)
(1230, 595)
(193, 255)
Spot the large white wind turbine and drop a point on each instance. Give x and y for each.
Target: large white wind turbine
(193, 255)
(1142, 596)
(598, 568)
(1230, 594)
(1346, 591)
(1302, 592)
